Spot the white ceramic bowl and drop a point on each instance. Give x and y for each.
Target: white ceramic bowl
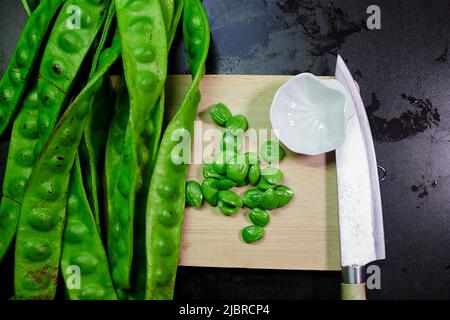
(309, 114)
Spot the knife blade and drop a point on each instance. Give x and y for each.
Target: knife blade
(359, 201)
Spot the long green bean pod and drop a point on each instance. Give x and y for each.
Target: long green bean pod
(139, 258)
(72, 36)
(166, 198)
(29, 6)
(95, 134)
(84, 255)
(144, 54)
(18, 168)
(43, 212)
(15, 79)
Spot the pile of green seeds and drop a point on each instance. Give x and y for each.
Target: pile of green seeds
(231, 168)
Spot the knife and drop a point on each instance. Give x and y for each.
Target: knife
(359, 201)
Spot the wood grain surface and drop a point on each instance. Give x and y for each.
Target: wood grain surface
(302, 236)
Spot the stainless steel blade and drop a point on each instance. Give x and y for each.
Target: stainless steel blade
(360, 211)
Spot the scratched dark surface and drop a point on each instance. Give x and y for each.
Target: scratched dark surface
(403, 70)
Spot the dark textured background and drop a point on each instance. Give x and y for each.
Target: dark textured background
(404, 73)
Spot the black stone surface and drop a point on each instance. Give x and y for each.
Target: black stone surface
(404, 72)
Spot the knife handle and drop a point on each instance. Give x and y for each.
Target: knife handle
(353, 291)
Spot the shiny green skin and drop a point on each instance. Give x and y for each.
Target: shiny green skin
(145, 64)
(166, 198)
(221, 160)
(92, 146)
(229, 202)
(272, 175)
(210, 172)
(43, 212)
(83, 247)
(16, 76)
(270, 200)
(254, 174)
(65, 52)
(168, 9)
(264, 185)
(30, 5)
(194, 196)
(210, 191)
(252, 234)
(253, 198)
(237, 125)
(18, 169)
(284, 195)
(224, 184)
(139, 255)
(220, 114)
(231, 143)
(259, 217)
(238, 171)
(271, 151)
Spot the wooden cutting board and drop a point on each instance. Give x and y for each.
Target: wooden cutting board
(302, 236)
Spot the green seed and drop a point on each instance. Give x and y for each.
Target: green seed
(221, 160)
(194, 196)
(225, 184)
(264, 185)
(231, 198)
(259, 217)
(254, 174)
(237, 125)
(238, 171)
(210, 192)
(270, 200)
(210, 172)
(271, 152)
(252, 234)
(272, 175)
(231, 143)
(220, 114)
(253, 198)
(284, 195)
(226, 209)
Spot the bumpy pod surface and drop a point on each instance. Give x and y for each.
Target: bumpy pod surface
(93, 143)
(43, 212)
(70, 40)
(83, 251)
(15, 78)
(144, 54)
(18, 169)
(166, 198)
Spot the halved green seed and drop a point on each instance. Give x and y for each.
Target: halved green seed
(271, 152)
(210, 172)
(259, 217)
(194, 195)
(237, 125)
(252, 234)
(264, 185)
(229, 202)
(220, 114)
(272, 175)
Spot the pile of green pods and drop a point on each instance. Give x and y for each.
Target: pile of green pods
(92, 205)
